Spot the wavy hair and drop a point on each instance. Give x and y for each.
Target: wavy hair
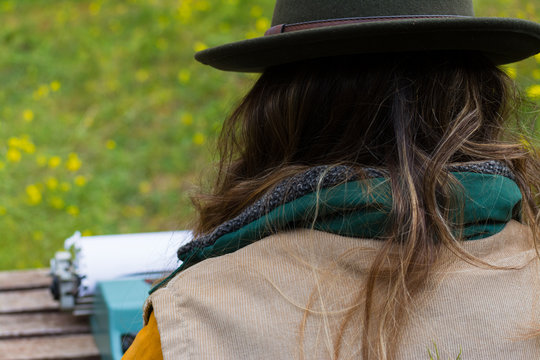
(411, 114)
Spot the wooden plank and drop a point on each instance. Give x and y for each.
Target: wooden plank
(27, 301)
(42, 324)
(31, 325)
(50, 347)
(24, 279)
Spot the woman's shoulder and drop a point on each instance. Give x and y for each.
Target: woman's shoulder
(249, 299)
(257, 297)
(296, 250)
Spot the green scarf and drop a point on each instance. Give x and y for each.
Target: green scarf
(360, 209)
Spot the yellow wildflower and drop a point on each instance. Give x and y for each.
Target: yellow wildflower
(37, 235)
(526, 143)
(65, 186)
(145, 187)
(94, 8)
(55, 85)
(14, 142)
(262, 24)
(28, 115)
(13, 155)
(73, 210)
(80, 180)
(198, 138)
(256, 11)
(52, 183)
(184, 76)
(110, 144)
(26, 145)
(7, 6)
(57, 202)
(199, 46)
(142, 75)
(54, 161)
(533, 92)
(42, 91)
(186, 119)
(73, 162)
(87, 233)
(184, 12)
(510, 70)
(41, 160)
(34, 195)
(521, 15)
(61, 17)
(537, 57)
(3, 210)
(29, 148)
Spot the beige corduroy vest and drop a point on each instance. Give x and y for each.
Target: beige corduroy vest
(251, 304)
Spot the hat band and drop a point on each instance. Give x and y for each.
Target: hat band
(283, 28)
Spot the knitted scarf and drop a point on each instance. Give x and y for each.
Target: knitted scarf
(335, 200)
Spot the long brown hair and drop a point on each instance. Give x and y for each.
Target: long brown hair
(411, 114)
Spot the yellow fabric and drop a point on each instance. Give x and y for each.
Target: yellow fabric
(147, 344)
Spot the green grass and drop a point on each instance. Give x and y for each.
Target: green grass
(435, 354)
(106, 121)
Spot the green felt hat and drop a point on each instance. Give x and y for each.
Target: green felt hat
(306, 29)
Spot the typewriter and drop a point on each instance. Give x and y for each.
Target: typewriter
(109, 277)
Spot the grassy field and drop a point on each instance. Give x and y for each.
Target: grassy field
(107, 123)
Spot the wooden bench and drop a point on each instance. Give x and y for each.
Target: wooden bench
(31, 325)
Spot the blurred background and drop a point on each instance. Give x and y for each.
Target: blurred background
(107, 124)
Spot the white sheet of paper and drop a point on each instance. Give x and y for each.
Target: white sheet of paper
(106, 257)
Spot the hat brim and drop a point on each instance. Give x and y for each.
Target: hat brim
(503, 40)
